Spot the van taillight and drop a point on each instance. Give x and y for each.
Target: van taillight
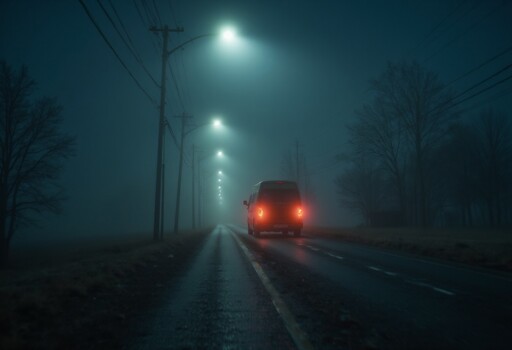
(299, 212)
(260, 212)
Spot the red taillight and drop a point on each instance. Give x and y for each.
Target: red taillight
(299, 212)
(260, 212)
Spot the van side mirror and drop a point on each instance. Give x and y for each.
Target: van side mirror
(246, 204)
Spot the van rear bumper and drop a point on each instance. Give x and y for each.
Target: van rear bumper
(277, 227)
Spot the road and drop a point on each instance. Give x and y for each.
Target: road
(314, 292)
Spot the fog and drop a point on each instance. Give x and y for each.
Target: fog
(291, 82)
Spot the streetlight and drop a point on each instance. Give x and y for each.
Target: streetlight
(217, 123)
(180, 170)
(220, 154)
(201, 185)
(226, 35)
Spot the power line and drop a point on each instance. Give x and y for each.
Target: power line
(482, 81)
(157, 13)
(186, 86)
(137, 57)
(171, 131)
(150, 16)
(139, 12)
(171, 9)
(91, 18)
(507, 50)
(180, 98)
(481, 91)
(436, 27)
(122, 26)
(470, 28)
(456, 20)
(497, 96)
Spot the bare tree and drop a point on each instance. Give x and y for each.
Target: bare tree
(294, 167)
(419, 102)
(377, 133)
(360, 188)
(495, 159)
(458, 158)
(32, 151)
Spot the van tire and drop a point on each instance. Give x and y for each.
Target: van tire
(249, 231)
(297, 233)
(256, 233)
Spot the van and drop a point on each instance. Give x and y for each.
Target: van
(274, 206)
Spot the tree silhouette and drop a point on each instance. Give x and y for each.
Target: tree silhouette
(32, 151)
(495, 159)
(402, 128)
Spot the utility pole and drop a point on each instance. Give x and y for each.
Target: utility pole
(183, 117)
(158, 222)
(193, 187)
(199, 194)
(162, 210)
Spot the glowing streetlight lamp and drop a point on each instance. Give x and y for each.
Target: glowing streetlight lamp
(228, 34)
(220, 154)
(217, 123)
(220, 172)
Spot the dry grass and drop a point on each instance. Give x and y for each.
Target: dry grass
(53, 297)
(486, 248)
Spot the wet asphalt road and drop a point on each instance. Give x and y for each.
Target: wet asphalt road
(405, 301)
(218, 303)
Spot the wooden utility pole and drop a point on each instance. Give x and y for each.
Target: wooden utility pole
(158, 214)
(183, 117)
(193, 187)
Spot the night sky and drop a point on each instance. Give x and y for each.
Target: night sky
(297, 71)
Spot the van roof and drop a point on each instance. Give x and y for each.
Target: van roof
(277, 184)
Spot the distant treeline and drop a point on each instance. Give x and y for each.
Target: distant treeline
(415, 159)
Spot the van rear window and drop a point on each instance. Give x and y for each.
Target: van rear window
(279, 195)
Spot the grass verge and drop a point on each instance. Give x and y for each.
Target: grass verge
(87, 301)
(484, 248)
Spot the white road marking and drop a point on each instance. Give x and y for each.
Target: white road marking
(308, 246)
(299, 337)
(335, 256)
(437, 289)
(390, 273)
(444, 291)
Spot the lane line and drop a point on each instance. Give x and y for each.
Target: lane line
(299, 337)
(390, 273)
(444, 291)
(444, 264)
(335, 256)
(437, 289)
